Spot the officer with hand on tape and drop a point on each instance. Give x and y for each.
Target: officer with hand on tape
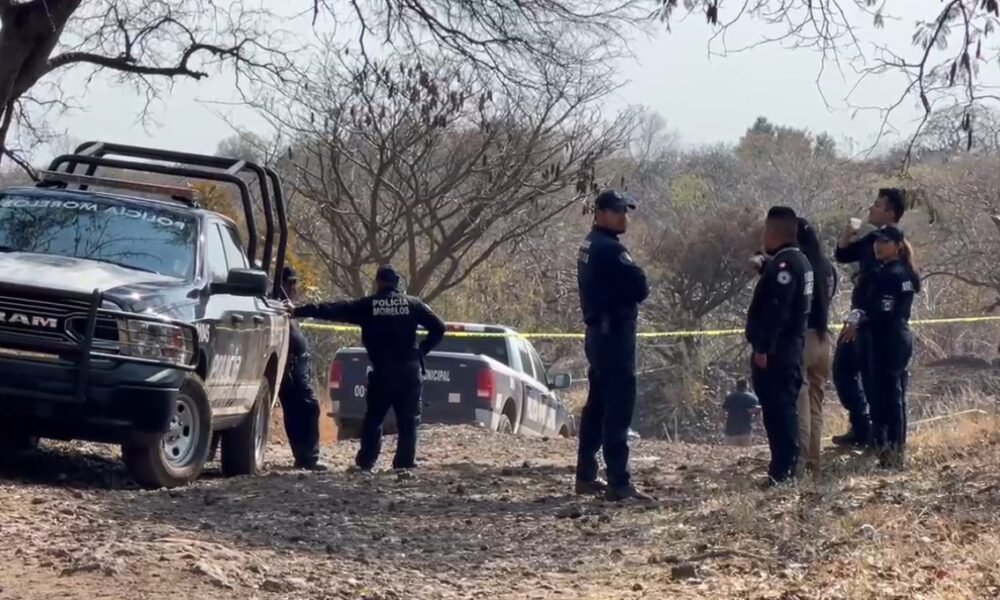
(611, 288)
(298, 401)
(388, 320)
(776, 329)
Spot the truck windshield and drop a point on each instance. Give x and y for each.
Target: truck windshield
(137, 237)
(494, 347)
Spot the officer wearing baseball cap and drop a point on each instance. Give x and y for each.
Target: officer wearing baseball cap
(853, 344)
(611, 287)
(388, 320)
(298, 400)
(884, 312)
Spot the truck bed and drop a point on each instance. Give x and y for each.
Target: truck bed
(451, 393)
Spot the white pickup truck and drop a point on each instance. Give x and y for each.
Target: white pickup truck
(479, 374)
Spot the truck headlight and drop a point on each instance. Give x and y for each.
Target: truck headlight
(157, 341)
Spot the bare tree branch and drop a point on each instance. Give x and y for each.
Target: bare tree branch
(944, 74)
(146, 42)
(424, 164)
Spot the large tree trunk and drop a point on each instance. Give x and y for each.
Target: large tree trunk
(28, 35)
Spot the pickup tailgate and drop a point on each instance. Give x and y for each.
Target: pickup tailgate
(451, 391)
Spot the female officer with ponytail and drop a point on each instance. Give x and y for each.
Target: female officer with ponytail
(885, 311)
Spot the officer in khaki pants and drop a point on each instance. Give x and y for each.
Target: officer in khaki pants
(816, 359)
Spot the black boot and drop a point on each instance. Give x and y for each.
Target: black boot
(311, 466)
(587, 488)
(859, 435)
(629, 492)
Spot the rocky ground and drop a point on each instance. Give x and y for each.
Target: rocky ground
(490, 516)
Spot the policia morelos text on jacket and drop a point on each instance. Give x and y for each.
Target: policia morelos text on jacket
(611, 287)
(776, 328)
(298, 401)
(388, 320)
(884, 311)
(850, 355)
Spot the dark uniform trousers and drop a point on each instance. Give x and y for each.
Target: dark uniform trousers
(397, 386)
(610, 405)
(890, 356)
(301, 410)
(852, 379)
(777, 388)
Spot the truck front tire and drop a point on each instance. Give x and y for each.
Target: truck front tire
(243, 447)
(180, 455)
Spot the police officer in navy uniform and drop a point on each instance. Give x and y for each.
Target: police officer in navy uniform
(298, 401)
(885, 313)
(611, 288)
(851, 356)
(776, 329)
(388, 320)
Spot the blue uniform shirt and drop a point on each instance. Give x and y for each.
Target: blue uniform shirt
(611, 285)
(861, 251)
(388, 321)
(779, 310)
(889, 297)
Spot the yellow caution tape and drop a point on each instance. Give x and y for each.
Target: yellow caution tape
(648, 334)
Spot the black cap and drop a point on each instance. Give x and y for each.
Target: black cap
(387, 274)
(614, 200)
(781, 212)
(288, 275)
(890, 233)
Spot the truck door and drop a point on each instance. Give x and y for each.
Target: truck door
(533, 412)
(249, 324)
(219, 323)
(551, 404)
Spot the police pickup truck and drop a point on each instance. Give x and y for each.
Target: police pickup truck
(486, 375)
(131, 316)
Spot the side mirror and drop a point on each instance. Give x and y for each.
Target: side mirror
(243, 282)
(560, 381)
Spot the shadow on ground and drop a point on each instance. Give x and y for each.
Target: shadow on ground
(453, 516)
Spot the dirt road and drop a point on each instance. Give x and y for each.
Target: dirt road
(490, 516)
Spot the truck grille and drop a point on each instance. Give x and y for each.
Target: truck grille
(62, 321)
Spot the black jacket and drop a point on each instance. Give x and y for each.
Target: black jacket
(778, 313)
(388, 321)
(824, 289)
(825, 284)
(889, 299)
(610, 284)
(861, 251)
(298, 345)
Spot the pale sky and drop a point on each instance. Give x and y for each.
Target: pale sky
(704, 99)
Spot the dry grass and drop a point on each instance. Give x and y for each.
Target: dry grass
(493, 516)
(856, 532)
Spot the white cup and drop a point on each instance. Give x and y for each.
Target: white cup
(855, 223)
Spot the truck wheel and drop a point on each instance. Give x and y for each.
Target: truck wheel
(243, 446)
(181, 453)
(504, 425)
